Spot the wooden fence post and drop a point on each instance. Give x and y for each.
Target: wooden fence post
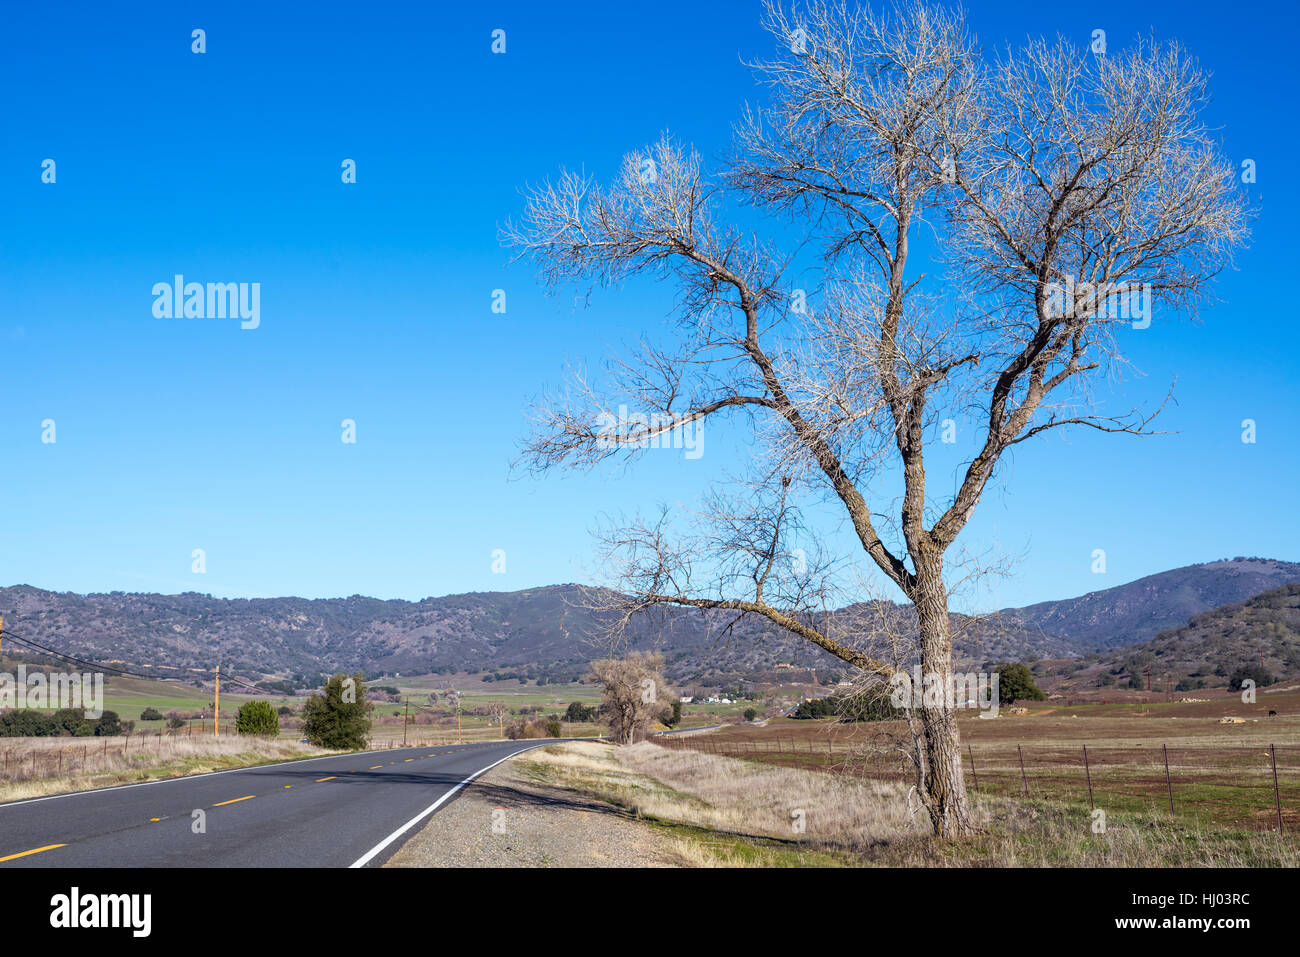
(1088, 773)
(1277, 798)
(975, 778)
(1023, 780)
(1168, 783)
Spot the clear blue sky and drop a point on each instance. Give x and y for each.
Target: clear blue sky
(178, 434)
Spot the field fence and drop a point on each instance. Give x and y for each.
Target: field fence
(1243, 785)
(40, 758)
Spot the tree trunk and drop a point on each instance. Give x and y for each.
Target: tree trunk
(945, 784)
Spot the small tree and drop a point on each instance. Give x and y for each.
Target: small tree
(1016, 683)
(257, 717)
(633, 691)
(339, 716)
(1252, 673)
(750, 714)
(150, 714)
(109, 725)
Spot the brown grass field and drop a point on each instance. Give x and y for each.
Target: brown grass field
(1218, 774)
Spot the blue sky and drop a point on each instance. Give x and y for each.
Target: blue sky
(177, 434)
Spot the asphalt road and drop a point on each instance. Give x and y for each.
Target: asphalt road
(351, 810)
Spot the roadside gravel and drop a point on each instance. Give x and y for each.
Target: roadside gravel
(504, 820)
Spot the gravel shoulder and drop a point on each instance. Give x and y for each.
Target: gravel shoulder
(506, 818)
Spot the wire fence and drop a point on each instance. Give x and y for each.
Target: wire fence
(1256, 787)
(38, 758)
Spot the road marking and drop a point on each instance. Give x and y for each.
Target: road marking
(35, 850)
(408, 760)
(288, 785)
(373, 766)
(246, 797)
(330, 778)
(155, 819)
(366, 858)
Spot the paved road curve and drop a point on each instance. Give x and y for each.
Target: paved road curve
(351, 810)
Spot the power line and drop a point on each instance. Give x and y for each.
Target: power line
(36, 646)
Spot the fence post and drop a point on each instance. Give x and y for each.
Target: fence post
(1168, 783)
(1277, 799)
(1088, 773)
(975, 778)
(1024, 780)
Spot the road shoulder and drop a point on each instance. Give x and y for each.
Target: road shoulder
(511, 818)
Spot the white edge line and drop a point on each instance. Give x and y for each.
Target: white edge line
(366, 858)
(208, 774)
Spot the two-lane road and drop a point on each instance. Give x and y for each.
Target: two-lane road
(349, 810)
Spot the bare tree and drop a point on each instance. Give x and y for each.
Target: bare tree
(1050, 192)
(633, 692)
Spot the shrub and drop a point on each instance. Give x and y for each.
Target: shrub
(339, 716)
(175, 722)
(257, 717)
(1253, 672)
(1016, 683)
(554, 729)
(110, 725)
(750, 714)
(150, 714)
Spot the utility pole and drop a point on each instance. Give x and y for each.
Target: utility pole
(216, 707)
(2, 637)
(458, 719)
(404, 716)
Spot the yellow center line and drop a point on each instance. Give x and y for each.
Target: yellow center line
(288, 785)
(408, 760)
(330, 778)
(35, 850)
(246, 797)
(373, 766)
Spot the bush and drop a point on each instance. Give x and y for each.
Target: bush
(150, 714)
(750, 714)
(339, 716)
(257, 717)
(110, 725)
(1253, 672)
(579, 712)
(554, 729)
(1016, 683)
(175, 723)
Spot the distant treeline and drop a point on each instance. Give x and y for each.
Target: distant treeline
(65, 723)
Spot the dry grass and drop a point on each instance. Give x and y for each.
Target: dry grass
(35, 767)
(727, 812)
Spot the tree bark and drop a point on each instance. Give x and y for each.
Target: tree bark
(945, 784)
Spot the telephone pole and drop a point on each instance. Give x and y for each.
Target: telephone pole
(216, 707)
(404, 716)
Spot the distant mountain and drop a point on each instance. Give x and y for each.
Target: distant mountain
(548, 631)
(1214, 644)
(1133, 613)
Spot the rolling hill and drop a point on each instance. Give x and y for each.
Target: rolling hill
(547, 631)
